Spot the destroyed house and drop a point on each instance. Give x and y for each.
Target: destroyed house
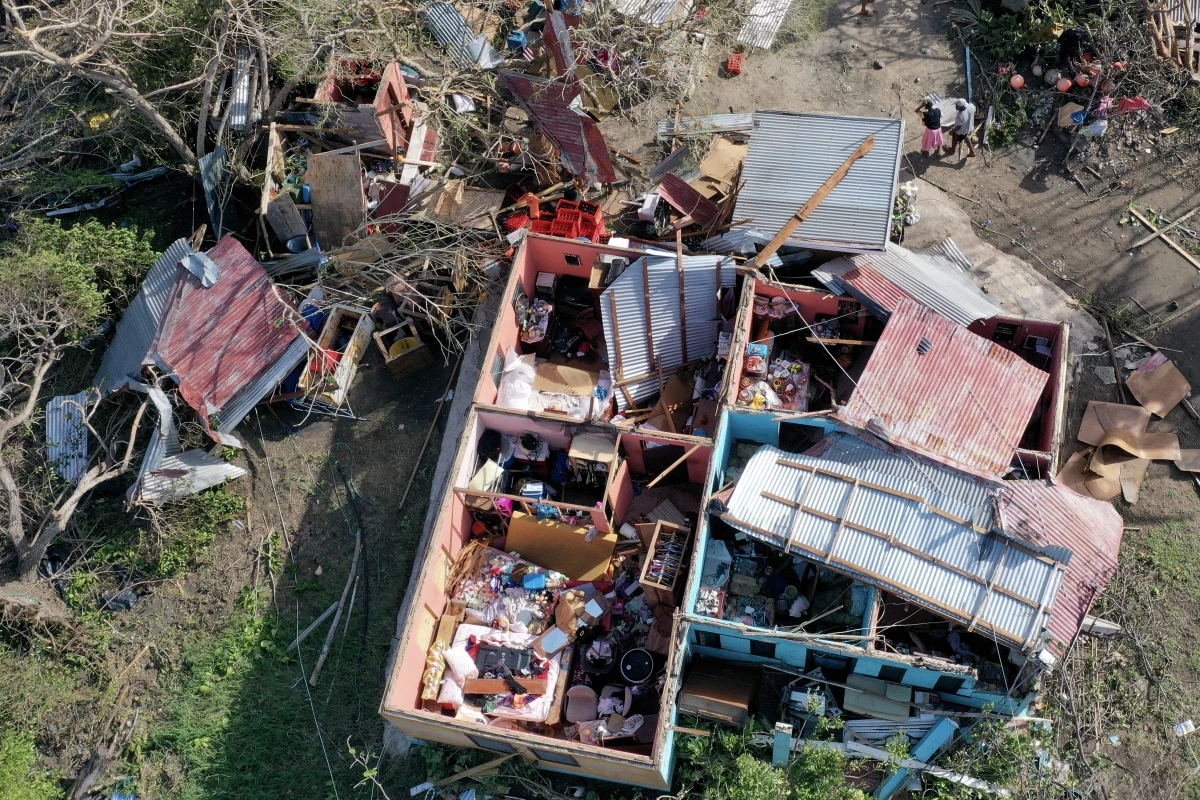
(988, 398)
(580, 324)
(903, 588)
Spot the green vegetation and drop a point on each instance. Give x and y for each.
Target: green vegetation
(20, 777)
(728, 766)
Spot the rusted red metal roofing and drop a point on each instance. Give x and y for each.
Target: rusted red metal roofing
(580, 144)
(688, 201)
(557, 36)
(1052, 516)
(216, 341)
(933, 387)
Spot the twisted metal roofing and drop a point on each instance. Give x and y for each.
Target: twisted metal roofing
(649, 323)
(791, 155)
(935, 279)
(123, 359)
(1088, 531)
(882, 529)
(763, 23)
(698, 126)
(67, 436)
(933, 387)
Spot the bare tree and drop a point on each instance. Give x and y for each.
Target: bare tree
(81, 40)
(36, 328)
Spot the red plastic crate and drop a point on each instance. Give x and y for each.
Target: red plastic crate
(590, 210)
(569, 215)
(516, 222)
(599, 234)
(734, 67)
(605, 238)
(543, 226)
(567, 205)
(564, 228)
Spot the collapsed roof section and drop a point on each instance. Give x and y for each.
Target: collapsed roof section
(896, 533)
(933, 387)
(219, 342)
(659, 315)
(935, 279)
(791, 156)
(557, 111)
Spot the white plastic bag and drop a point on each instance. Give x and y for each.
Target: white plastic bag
(516, 384)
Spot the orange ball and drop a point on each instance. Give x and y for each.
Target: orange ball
(1083, 80)
(1017, 82)
(1063, 85)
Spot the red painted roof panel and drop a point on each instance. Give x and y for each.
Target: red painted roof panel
(577, 137)
(933, 387)
(217, 340)
(1052, 516)
(688, 201)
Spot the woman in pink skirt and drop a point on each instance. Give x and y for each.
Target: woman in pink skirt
(931, 115)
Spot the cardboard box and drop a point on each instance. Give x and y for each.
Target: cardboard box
(719, 691)
(561, 547)
(576, 607)
(563, 379)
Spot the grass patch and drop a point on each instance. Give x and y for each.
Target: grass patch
(20, 776)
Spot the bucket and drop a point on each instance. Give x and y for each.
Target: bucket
(637, 666)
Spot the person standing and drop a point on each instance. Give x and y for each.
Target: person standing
(931, 116)
(865, 11)
(964, 126)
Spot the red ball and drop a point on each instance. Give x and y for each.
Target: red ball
(1083, 80)
(1017, 82)
(1063, 85)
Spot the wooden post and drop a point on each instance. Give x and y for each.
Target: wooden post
(818, 197)
(682, 290)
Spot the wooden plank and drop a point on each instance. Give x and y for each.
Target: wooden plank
(1161, 231)
(616, 360)
(1169, 241)
(855, 342)
(674, 464)
(683, 290)
(500, 686)
(842, 525)
(285, 218)
(818, 197)
(649, 320)
(474, 772)
(338, 203)
(1192, 306)
(354, 148)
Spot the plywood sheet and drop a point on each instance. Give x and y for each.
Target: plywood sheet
(1118, 444)
(1099, 417)
(1158, 385)
(560, 547)
(338, 203)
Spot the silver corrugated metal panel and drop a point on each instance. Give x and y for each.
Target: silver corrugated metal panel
(67, 436)
(764, 22)
(628, 293)
(1180, 9)
(309, 259)
(714, 123)
(214, 168)
(450, 28)
(239, 109)
(123, 358)
(681, 162)
(237, 408)
(943, 488)
(651, 12)
(948, 252)
(870, 527)
(936, 283)
(739, 240)
(874, 731)
(186, 473)
(791, 155)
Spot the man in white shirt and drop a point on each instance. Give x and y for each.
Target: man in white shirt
(964, 126)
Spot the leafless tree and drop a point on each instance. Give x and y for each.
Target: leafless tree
(35, 331)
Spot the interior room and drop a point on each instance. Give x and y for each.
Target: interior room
(800, 344)
(1044, 345)
(549, 354)
(548, 606)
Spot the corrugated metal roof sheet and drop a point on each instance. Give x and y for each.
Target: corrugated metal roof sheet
(557, 36)
(214, 169)
(248, 398)
(633, 359)
(943, 488)
(791, 155)
(450, 28)
(312, 258)
(688, 201)
(714, 123)
(1179, 11)
(1052, 516)
(884, 279)
(965, 401)
(763, 23)
(135, 332)
(218, 340)
(576, 135)
(651, 12)
(881, 529)
(168, 472)
(239, 98)
(67, 436)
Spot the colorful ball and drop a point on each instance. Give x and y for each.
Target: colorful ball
(1083, 80)
(1017, 82)
(1063, 85)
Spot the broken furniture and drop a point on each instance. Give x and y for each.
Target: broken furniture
(402, 349)
(334, 363)
(713, 691)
